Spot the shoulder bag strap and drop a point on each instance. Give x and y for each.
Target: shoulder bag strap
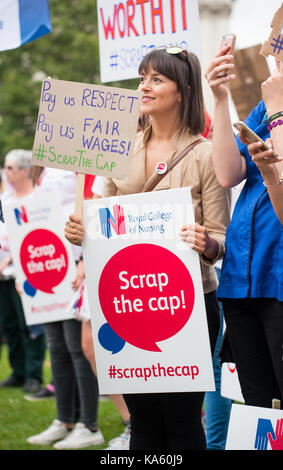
(156, 178)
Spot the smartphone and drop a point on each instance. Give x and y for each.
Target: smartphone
(251, 136)
(227, 39)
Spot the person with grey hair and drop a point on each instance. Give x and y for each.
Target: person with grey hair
(26, 345)
(22, 158)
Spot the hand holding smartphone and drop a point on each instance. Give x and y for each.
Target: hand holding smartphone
(251, 136)
(227, 39)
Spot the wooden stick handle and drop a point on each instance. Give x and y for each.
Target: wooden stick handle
(276, 404)
(80, 195)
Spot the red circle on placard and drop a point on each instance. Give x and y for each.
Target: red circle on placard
(146, 294)
(44, 259)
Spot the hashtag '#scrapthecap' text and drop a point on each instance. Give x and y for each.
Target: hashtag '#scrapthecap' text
(112, 372)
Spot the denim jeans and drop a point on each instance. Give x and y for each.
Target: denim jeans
(70, 369)
(217, 408)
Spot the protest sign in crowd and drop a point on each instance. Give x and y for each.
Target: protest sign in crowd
(141, 243)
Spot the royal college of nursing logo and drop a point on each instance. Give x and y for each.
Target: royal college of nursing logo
(265, 434)
(108, 221)
(21, 215)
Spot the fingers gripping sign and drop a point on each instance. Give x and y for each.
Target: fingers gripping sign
(197, 238)
(74, 230)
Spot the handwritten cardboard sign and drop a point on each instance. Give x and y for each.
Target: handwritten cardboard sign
(43, 259)
(89, 129)
(129, 29)
(145, 295)
(274, 44)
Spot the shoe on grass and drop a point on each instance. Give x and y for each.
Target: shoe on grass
(45, 393)
(121, 442)
(56, 432)
(12, 381)
(80, 437)
(31, 386)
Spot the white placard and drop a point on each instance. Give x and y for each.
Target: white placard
(145, 294)
(128, 30)
(255, 428)
(230, 385)
(43, 258)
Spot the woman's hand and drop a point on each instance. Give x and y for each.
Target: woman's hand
(264, 160)
(74, 230)
(5, 263)
(272, 93)
(80, 275)
(18, 288)
(221, 64)
(197, 237)
(266, 164)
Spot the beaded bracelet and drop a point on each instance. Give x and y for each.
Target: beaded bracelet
(274, 116)
(275, 124)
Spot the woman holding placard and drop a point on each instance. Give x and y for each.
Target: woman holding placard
(72, 374)
(173, 115)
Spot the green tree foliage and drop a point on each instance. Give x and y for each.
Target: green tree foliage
(69, 52)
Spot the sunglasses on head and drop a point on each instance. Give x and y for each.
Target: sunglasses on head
(169, 49)
(176, 50)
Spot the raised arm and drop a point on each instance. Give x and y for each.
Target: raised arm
(230, 166)
(272, 94)
(272, 168)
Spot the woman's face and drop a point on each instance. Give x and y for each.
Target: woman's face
(14, 174)
(160, 94)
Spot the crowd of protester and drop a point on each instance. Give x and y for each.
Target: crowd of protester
(239, 249)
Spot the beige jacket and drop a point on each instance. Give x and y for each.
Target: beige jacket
(211, 202)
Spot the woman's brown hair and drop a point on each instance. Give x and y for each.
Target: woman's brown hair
(184, 69)
(35, 173)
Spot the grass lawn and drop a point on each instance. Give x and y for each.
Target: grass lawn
(20, 418)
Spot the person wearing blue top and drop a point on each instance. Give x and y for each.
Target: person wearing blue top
(251, 284)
